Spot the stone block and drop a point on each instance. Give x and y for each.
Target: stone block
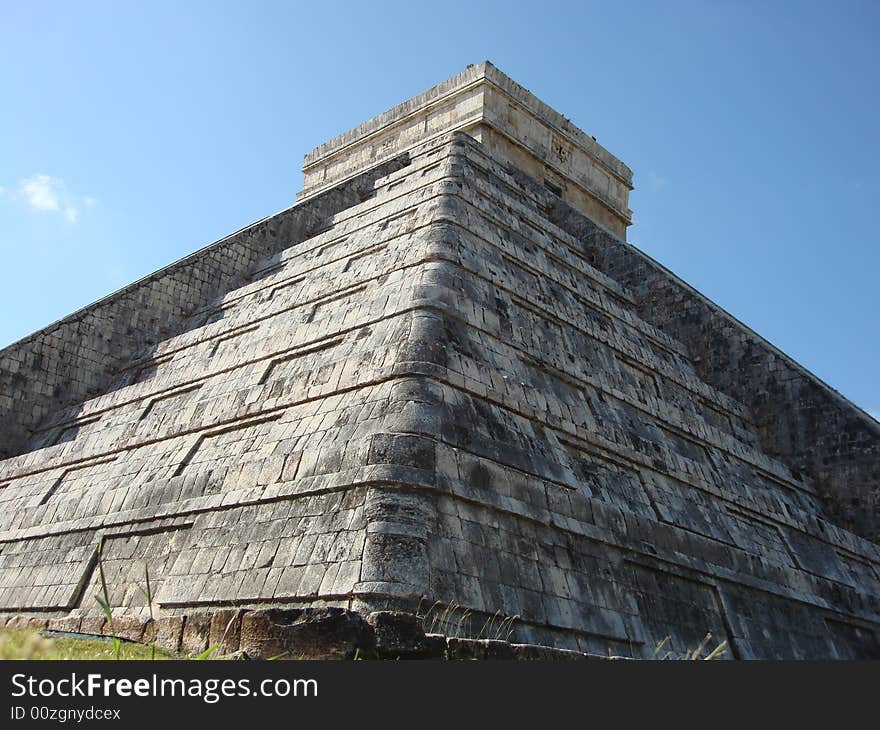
(316, 633)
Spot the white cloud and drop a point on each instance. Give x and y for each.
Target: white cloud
(41, 192)
(50, 195)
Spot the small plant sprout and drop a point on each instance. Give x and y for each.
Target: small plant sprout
(148, 594)
(104, 602)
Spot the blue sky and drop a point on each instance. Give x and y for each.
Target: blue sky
(134, 133)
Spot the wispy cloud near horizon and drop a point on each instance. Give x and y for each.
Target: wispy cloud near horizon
(48, 194)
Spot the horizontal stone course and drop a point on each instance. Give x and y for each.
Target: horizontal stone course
(78, 356)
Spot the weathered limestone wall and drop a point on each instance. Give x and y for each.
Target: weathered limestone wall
(589, 481)
(801, 420)
(239, 457)
(543, 167)
(77, 357)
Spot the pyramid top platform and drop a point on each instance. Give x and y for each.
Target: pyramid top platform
(504, 116)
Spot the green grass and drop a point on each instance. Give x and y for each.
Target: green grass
(30, 644)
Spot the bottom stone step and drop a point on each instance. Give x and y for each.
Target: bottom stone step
(295, 633)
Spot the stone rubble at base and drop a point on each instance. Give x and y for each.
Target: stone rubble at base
(298, 633)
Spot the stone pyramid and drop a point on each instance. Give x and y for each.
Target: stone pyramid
(442, 383)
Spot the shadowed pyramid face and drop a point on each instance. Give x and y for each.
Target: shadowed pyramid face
(433, 398)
